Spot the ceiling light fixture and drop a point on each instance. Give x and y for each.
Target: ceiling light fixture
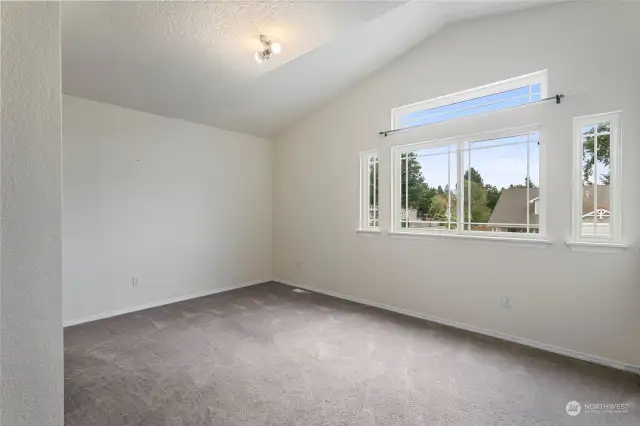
(269, 48)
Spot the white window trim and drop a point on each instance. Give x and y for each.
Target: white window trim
(594, 247)
(374, 231)
(501, 238)
(477, 92)
(364, 192)
(459, 233)
(605, 244)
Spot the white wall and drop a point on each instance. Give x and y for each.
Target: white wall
(31, 366)
(184, 207)
(585, 302)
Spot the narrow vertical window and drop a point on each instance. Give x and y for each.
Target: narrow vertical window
(596, 212)
(370, 192)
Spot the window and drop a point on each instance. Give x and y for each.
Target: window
(369, 190)
(423, 204)
(504, 94)
(596, 204)
(479, 184)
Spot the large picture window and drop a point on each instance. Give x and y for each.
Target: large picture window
(479, 184)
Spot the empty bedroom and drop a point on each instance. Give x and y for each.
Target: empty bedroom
(319, 213)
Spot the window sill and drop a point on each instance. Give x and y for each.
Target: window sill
(507, 241)
(372, 231)
(596, 247)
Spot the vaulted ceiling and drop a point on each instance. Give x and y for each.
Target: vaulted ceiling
(194, 60)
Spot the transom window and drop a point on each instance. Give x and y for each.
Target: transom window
(501, 95)
(596, 178)
(488, 183)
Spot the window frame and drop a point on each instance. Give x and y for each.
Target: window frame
(615, 173)
(538, 77)
(364, 190)
(460, 142)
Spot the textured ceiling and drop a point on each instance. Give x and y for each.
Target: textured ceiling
(194, 60)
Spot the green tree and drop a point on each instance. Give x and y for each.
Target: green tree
(527, 182)
(475, 176)
(589, 156)
(439, 207)
(426, 198)
(476, 205)
(414, 186)
(493, 195)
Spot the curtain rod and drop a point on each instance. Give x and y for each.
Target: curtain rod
(558, 98)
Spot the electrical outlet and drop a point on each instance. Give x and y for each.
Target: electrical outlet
(135, 281)
(506, 302)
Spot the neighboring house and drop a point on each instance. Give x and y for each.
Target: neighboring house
(595, 219)
(412, 216)
(510, 213)
(602, 211)
(374, 216)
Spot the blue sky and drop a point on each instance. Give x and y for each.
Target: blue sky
(500, 166)
(498, 101)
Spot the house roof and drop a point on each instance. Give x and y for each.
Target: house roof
(512, 206)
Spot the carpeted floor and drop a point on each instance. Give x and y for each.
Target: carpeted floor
(266, 355)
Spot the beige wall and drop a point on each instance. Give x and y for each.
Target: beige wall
(582, 302)
(185, 208)
(31, 366)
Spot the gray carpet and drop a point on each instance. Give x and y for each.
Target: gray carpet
(266, 355)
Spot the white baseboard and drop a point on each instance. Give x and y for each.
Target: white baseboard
(538, 345)
(103, 315)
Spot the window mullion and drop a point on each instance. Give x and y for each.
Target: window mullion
(469, 188)
(595, 181)
(406, 190)
(528, 182)
(460, 190)
(449, 188)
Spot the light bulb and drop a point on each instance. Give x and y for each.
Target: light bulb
(276, 48)
(259, 57)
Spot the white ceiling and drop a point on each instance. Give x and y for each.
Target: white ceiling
(194, 60)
